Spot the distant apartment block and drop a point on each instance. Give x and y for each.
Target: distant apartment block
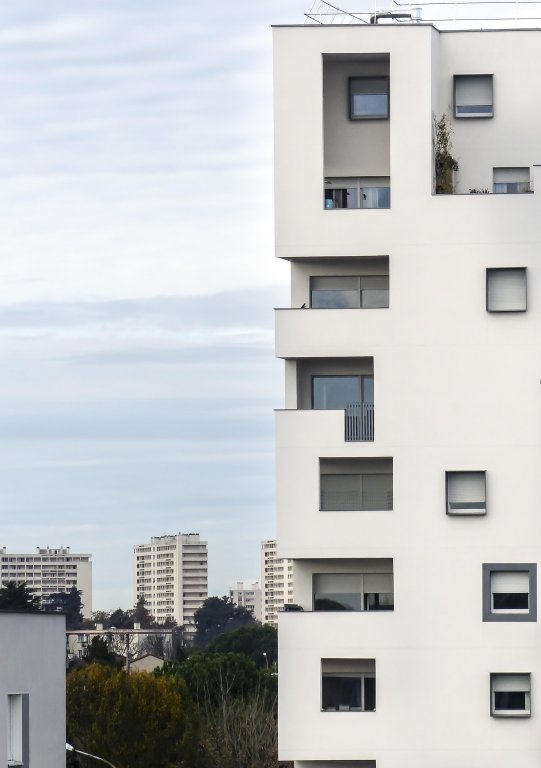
(171, 575)
(247, 595)
(48, 571)
(276, 581)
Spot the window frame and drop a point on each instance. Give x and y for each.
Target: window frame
(356, 78)
(472, 115)
(488, 614)
(478, 513)
(362, 676)
(527, 712)
(492, 270)
(17, 746)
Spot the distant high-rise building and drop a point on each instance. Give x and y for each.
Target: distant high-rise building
(276, 581)
(247, 595)
(171, 575)
(48, 571)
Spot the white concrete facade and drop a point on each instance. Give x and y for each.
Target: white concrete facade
(248, 595)
(171, 574)
(276, 580)
(455, 389)
(49, 570)
(32, 689)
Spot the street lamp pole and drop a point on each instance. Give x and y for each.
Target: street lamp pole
(70, 748)
(266, 659)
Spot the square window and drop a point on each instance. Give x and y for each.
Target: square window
(348, 685)
(356, 485)
(511, 180)
(506, 289)
(509, 591)
(368, 98)
(510, 695)
(466, 493)
(473, 96)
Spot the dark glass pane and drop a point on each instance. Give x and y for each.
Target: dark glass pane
(369, 694)
(513, 601)
(379, 601)
(510, 700)
(335, 299)
(370, 105)
(335, 392)
(336, 602)
(464, 109)
(368, 389)
(341, 692)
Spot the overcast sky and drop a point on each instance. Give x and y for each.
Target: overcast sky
(137, 279)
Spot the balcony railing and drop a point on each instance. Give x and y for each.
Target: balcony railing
(359, 422)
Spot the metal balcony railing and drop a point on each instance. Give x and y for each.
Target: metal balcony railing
(359, 422)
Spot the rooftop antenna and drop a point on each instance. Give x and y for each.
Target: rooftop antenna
(327, 9)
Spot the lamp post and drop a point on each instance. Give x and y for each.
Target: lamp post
(266, 659)
(70, 748)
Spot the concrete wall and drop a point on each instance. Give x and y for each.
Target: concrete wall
(352, 147)
(33, 662)
(456, 388)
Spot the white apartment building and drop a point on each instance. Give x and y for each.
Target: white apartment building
(32, 689)
(277, 582)
(48, 571)
(409, 448)
(247, 595)
(171, 574)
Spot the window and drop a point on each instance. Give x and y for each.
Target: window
(506, 289)
(511, 180)
(466, 493)
(352, 192)
(349, 292)
(17, 727)
(353, 591)
(356, 485)
(474, 96)
(368, 98)
(509, 592)
(348, 685)
(510, 695)
(337, 392)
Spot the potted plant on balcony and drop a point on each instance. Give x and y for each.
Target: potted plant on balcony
(444, 162)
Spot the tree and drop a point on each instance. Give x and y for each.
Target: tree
(17, 596)
(211, 676)
(260, 643)
(133, 719)
(68, 603)
(218, 615)
(98, 651)
(120, 619)
(142, 615)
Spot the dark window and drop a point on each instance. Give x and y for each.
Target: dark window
(336, 392)
(369, 694)
(379, 601)
(510, 601)
(510, 700)
(342, 692)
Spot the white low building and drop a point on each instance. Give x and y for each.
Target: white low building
(32, 690)
(409, 448)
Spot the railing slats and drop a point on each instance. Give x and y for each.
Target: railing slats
(359, 422)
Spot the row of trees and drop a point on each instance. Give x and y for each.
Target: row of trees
(211, 710)
(17, 596)
(214, 707)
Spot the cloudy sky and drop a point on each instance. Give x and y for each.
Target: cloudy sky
(137, 279)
